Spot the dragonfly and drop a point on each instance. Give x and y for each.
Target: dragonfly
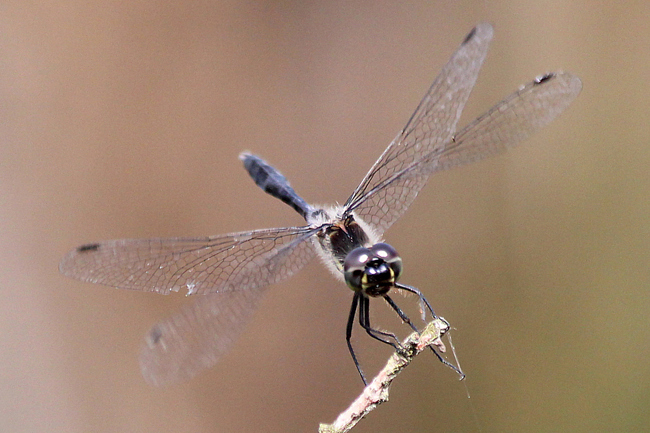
(231, 272)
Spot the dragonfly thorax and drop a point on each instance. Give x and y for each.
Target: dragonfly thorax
(340, 235)
(372, 270)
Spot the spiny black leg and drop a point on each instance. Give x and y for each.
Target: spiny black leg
(401, 314)
(419, 294)
(364, 321)
(348, 334)
(405, 318)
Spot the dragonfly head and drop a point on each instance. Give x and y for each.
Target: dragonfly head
(372, 270)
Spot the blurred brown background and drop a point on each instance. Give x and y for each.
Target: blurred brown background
(125, 118)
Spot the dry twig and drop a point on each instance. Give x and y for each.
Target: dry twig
(376, 392)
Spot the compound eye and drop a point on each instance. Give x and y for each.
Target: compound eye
(389, 255)
(354, 265)
(384, 251)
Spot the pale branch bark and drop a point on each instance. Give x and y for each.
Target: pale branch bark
(376, 392)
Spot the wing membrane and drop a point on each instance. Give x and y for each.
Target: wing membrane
(235, 261)
(509, 122)
(500, 128)
(430, 127)
(197, 336)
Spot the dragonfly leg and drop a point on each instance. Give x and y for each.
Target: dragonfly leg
(402, 315)
(348, 334)
(423, 300)
(405, 318)
(364, 321)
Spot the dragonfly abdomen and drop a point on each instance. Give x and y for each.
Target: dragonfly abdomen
(274, 183)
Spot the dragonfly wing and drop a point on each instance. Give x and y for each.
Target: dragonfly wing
(509, 122)
(432, 125)
(197, 336)
(236, 261)
(503, 126)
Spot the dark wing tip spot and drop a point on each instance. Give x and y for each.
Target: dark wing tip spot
(87, 248)
(544, 78)
(469, 36)
(154, 336)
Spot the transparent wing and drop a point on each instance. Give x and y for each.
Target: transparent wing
(503, 126)
(197, 336)
(432, 125)
(508, 123)
(236, 261)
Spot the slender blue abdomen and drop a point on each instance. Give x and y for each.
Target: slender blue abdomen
(274, 183)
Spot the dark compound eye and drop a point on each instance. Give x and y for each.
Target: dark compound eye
(384, 251)
(389, 255)
(354, 265)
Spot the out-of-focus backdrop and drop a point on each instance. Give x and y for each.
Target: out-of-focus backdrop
(124, 119)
